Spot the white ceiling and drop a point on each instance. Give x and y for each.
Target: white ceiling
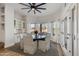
(51, 8)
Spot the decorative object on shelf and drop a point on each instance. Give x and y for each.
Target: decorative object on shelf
(34, 7)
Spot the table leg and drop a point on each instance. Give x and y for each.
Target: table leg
(37, 44)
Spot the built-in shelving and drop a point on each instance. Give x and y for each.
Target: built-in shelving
(2, 24)
(2, 18)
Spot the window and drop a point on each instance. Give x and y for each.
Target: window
(55, 27)
(32, 28)
(44, 27)
(39, 27)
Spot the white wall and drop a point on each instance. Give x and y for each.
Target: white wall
(17, 15)
(9, 25)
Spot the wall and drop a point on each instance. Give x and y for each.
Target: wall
(9, 25)
(10, 16)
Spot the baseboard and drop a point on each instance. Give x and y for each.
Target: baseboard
(6, 46)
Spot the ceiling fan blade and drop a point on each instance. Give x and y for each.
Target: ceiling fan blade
(33, 4)
(25, 8)
(24, 4)
(38, 10)
(42, 8)
(30, 4)
(41, 4)
(29, 10)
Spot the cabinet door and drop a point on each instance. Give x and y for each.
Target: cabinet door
(68, 32)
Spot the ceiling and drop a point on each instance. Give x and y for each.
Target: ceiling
(51, 8)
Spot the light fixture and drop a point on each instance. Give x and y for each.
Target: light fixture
(33, 6)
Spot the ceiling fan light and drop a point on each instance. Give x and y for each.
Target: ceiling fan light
(33, 9)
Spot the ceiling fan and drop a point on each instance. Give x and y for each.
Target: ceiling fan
(34, 7)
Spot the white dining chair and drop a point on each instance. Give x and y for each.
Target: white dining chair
(30, 46)
(45, 45)
(22, 40)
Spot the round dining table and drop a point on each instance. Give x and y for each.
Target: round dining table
(38, 38)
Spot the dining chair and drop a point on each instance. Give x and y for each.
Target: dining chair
(30, 46)
(45, 45)
(22, 40)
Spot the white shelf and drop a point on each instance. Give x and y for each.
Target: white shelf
(2, 22)
(2, 18)
(2, 14)
(2, 9)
